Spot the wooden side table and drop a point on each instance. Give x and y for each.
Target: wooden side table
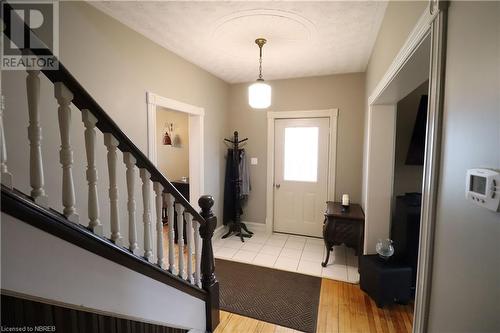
(343, 228)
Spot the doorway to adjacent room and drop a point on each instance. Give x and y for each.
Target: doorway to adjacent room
(183, 124)
(421, 59)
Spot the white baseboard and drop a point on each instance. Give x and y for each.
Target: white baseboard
(195, 331)
(253, 226)
(219, 231)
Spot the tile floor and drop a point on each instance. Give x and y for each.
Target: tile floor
(290, 253)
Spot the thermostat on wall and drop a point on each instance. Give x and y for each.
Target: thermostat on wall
(483, 188)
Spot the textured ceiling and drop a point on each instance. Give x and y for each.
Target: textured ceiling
(304, 38)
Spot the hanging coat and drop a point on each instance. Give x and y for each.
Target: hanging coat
(229, 190)
(244, 175)
(230, 200)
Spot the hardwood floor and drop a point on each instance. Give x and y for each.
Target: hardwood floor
(343, 308)
(176, 251)
(233, 323)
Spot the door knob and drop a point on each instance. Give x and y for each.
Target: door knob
(277, 185)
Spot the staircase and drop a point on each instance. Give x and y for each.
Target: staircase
(185, 275)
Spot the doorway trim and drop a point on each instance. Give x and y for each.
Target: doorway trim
(332, 114)
(433, 22)
(196, 116)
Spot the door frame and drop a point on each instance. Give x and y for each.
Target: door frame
(332, 114)
(433, 23)
(196, 116)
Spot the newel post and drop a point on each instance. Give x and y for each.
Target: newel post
(208, 279)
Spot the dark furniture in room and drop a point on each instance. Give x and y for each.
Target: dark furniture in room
(416, 150)
(343, 228)
(405, 231)
(385, 281)
(183, 188)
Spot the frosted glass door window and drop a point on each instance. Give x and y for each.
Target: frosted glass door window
(301, 147)
(301, 154)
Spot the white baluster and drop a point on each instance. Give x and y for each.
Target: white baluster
(170, 215)
(146, 217)
(64, 98)
(159, 224)
(197, 253)
(189, 232)
(35, 138)
(111, 143)
(89, 120)
(6, 176)
(179, 209)
(130, 161)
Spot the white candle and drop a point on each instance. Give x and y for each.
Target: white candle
(345, 199)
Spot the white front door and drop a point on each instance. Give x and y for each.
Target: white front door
(300, 175)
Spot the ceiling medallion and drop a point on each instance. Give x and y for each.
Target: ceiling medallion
(305, 25)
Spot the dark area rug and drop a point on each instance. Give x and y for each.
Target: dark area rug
(278, 297)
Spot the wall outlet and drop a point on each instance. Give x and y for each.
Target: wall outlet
(254, 161)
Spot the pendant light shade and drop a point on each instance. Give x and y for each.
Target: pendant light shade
(259, 93)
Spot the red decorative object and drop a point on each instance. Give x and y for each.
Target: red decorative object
(167, 141)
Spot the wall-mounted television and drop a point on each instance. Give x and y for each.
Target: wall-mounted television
(416, 149)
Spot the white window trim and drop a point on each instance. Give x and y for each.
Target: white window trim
(332, 114)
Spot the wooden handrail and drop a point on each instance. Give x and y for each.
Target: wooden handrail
(20, 206)
(23, 208)
(83, 100)
(209, 281)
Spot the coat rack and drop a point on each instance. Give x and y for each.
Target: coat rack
(236, 226)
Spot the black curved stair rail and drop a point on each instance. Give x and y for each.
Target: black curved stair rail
(83, 100)
(23, 207)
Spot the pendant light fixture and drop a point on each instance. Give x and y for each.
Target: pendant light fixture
(259, 93)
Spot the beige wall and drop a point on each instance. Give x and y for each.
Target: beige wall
(399, 19)
(466, 272)
(345, 92)
(465, 289)
(173, 160)
(117, 66)
(407, 178)
(131, 65)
